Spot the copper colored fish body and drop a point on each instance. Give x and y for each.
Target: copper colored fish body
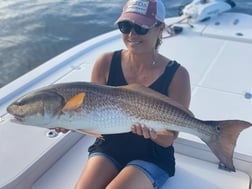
(101, 109)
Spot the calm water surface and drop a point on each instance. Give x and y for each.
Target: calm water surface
(32, 32)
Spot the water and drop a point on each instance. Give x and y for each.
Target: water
(32, 32)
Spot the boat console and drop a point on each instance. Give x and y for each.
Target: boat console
(200, 10)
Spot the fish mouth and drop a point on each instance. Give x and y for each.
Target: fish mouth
(19, 118)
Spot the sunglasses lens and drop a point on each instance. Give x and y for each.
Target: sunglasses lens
(125, 27)
(140, 30)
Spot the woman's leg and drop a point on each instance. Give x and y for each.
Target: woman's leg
(97, 173)
(130, 178)
(141, 175)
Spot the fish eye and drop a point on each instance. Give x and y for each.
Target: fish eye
(20, 103)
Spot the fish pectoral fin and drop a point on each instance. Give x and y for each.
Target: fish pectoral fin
(74, 103)
(97, 135)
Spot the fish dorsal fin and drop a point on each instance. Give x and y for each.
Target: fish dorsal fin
(149, 92)
(74, 103)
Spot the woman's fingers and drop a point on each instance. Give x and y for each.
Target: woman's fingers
(60, 130)
(141, 129)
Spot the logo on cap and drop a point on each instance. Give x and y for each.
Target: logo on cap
(137, 6)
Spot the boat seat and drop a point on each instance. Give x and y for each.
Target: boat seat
(190, 172)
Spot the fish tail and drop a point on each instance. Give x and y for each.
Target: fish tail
(223, 145)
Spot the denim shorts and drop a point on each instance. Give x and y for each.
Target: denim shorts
(156, 175)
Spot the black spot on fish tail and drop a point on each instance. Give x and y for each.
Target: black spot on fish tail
(223, 145)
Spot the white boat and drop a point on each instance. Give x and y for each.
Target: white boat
(217, 53)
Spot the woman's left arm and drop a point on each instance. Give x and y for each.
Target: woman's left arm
(180, 88)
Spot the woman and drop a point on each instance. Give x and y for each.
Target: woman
(143, 158)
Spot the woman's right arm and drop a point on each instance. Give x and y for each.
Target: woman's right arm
(101, 68)
(99, 75)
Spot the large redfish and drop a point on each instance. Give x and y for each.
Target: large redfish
(103, 109)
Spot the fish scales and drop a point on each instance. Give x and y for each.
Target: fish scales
(142, 108)
(139, 107)
(136, 105)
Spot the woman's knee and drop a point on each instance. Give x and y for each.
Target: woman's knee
(130, 178)
(97, 173)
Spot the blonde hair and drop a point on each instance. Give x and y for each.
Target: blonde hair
(159, 39)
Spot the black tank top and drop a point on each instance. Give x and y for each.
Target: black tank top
(128, 146)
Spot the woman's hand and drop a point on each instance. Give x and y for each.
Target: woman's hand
(60, 130)
(141, 129)
(163, 138)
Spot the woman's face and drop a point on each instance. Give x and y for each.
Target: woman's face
(137, 43)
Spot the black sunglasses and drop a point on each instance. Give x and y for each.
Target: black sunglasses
(126, 26)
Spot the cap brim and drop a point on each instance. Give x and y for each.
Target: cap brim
(138, 19)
